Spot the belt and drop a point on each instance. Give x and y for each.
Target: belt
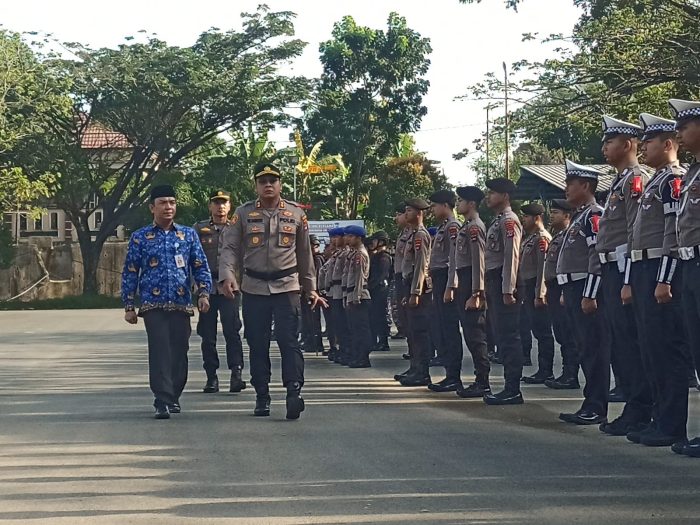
(649, 253)
(333, 283)
(689, 252)
(607, 257)
(270, 276)
(352, 288)
(493, 274)
(435, 271)
(563, 278)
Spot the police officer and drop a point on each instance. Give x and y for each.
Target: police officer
(417, 293)
(158, 264)
(653, 285)
(687, 116)
(502, 258)
(380, 276)
(534, 315)
(578, 272)
(349, 255)
(340, 321)
(358, 298)
(620, 142)
(405, 232)
(210, 232)
(311, 317)
(467, 268)
(335, 239)
(446, 309)
(560, 218)
(268, 245)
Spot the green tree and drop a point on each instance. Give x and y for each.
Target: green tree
(371, 91)
(165, 104)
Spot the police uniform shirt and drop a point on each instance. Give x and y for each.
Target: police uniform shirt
(532, 258)
(268, 241)
(401, 241)
(210, 235)
(550, 258)
(503, 248)
(416, 258)
(578, 254)
(337, 275)
(689, 210)
(443, 244)
(358, 275)
(617, 220)
(348, 257)
(469, 253)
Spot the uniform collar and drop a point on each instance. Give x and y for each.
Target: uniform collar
(282, 204)
(176, 227)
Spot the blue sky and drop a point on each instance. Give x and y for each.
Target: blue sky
(468, 41)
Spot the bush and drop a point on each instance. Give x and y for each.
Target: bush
(7, 249)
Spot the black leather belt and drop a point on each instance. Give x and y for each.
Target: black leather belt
(494, 274)
(271, 276)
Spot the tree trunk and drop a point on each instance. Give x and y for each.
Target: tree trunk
(90, 251)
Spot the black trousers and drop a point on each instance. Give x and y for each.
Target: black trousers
(168, 342)
(418, 325)
(537, 322)
(505, 320)
(330, 327)
(311, 326)
(450, 349)
(622, 332)
(473, 329)
(358, 321)
(592, 339)
(396, 298)
(691, 307)
(221, 307)
(402, 291)
(340, 326)
(662, 339)
(379, 318)
(258, 313)
(563, 330)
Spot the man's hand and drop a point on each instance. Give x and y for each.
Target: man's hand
(540, 303)
(508, 299)
(203, 304)
(315, 300)
(626, 294)
(588, 306)
(131, 317)
(449, 295)
(229, 288)
(473, 303)
(413, 301)
(663, 293)
(561, 300)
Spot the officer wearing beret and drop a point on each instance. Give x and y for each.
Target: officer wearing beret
(358, 298)
(268, 245)
(340, 321)
(620, 144)
(380, 276)
(532, 291)
(210, 232)
(560, 213)
(335, 236)
(467, 270)
(417, 293)
(401, 320)
(687, 117)
(502, 259)
(578, 272)
(159, 261)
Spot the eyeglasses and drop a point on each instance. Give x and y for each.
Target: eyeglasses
(265, 180)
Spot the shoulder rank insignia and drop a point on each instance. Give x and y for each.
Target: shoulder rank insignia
(543, 244)
(676, 184)
(287, 213)
(417, 243)
(205, 230)
(510, 227)
(254, 214)
(595, 223)
(305, 222)
(474, 233)
(453, 231)
(235, 218)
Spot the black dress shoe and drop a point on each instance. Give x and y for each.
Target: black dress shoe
(504, 398)
(563, 382)
(446, 385)
(262, 406)
(436, 361)
(406, 357)
(622, 426)
(588, 417)
(175, 408)
(361, 364)
(616, 395)
(415, 379)
(162, 411)
(568, 417)
(538, 378)
(679, 447)
(237, 384)
(295, 403)
(474, 390)
(399, 377)
(635, 436)
(659, 439)
(212, 384)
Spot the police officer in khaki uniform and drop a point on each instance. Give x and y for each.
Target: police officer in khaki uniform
(560, 218)
(417, 293)
(653, 285)
(467, 269)
(502, 259)
(405, 232)
(358, 298)
(620, 143)
(312, 340)
(687, 116)
(268, 244)
(450, 341)
(578, 272)
(532, 291)
(210, 232)
(380, 276)
(335, 331)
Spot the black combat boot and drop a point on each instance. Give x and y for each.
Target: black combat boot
(237, 383)
(262, 401)
(212, 384)
(295, 403)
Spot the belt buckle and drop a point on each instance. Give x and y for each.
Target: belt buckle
(636, 255)
(562, 279)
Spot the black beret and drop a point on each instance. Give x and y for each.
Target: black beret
(220, 194)
(561, 204)
(471, 193)
(164, 190)
(501, 185)
(532, 208)
(444, 197)
(266, 168)
(418, 203)
(400, 208)
(380, 235)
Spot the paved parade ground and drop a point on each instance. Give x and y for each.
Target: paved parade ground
(78, 445)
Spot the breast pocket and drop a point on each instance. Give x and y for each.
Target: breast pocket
(494, 241)
(287, 234)
(255, 235)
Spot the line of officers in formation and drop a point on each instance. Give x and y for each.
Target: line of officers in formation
(617, 285)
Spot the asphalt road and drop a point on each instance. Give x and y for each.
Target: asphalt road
(78, 445)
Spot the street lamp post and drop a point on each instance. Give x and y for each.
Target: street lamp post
(505, 75)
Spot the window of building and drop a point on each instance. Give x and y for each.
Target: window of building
(98, 219)
(54, 220)
(22, 222)
(37, 225)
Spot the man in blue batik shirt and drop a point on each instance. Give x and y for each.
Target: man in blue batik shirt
(158, 265)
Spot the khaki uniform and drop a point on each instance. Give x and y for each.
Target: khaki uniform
(532, 260)
(550, 258)
(469, 253)
(358, 273)
(415, 261)
(503, 248)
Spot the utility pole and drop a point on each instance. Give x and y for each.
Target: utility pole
(505, 76)
(488, 108)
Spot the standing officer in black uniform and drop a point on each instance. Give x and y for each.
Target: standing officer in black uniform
(210, 232)
(380, 276)
(502, 260)
(268, 244)
(311, 317)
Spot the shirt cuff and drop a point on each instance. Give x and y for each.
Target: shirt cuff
(667, 269)
(590, 290)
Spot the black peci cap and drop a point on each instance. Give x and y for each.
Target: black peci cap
(164, 190)
(501, 185)
(532, 209)
(471, 193)
(561, 204)
(418, 203)
(444, 197)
